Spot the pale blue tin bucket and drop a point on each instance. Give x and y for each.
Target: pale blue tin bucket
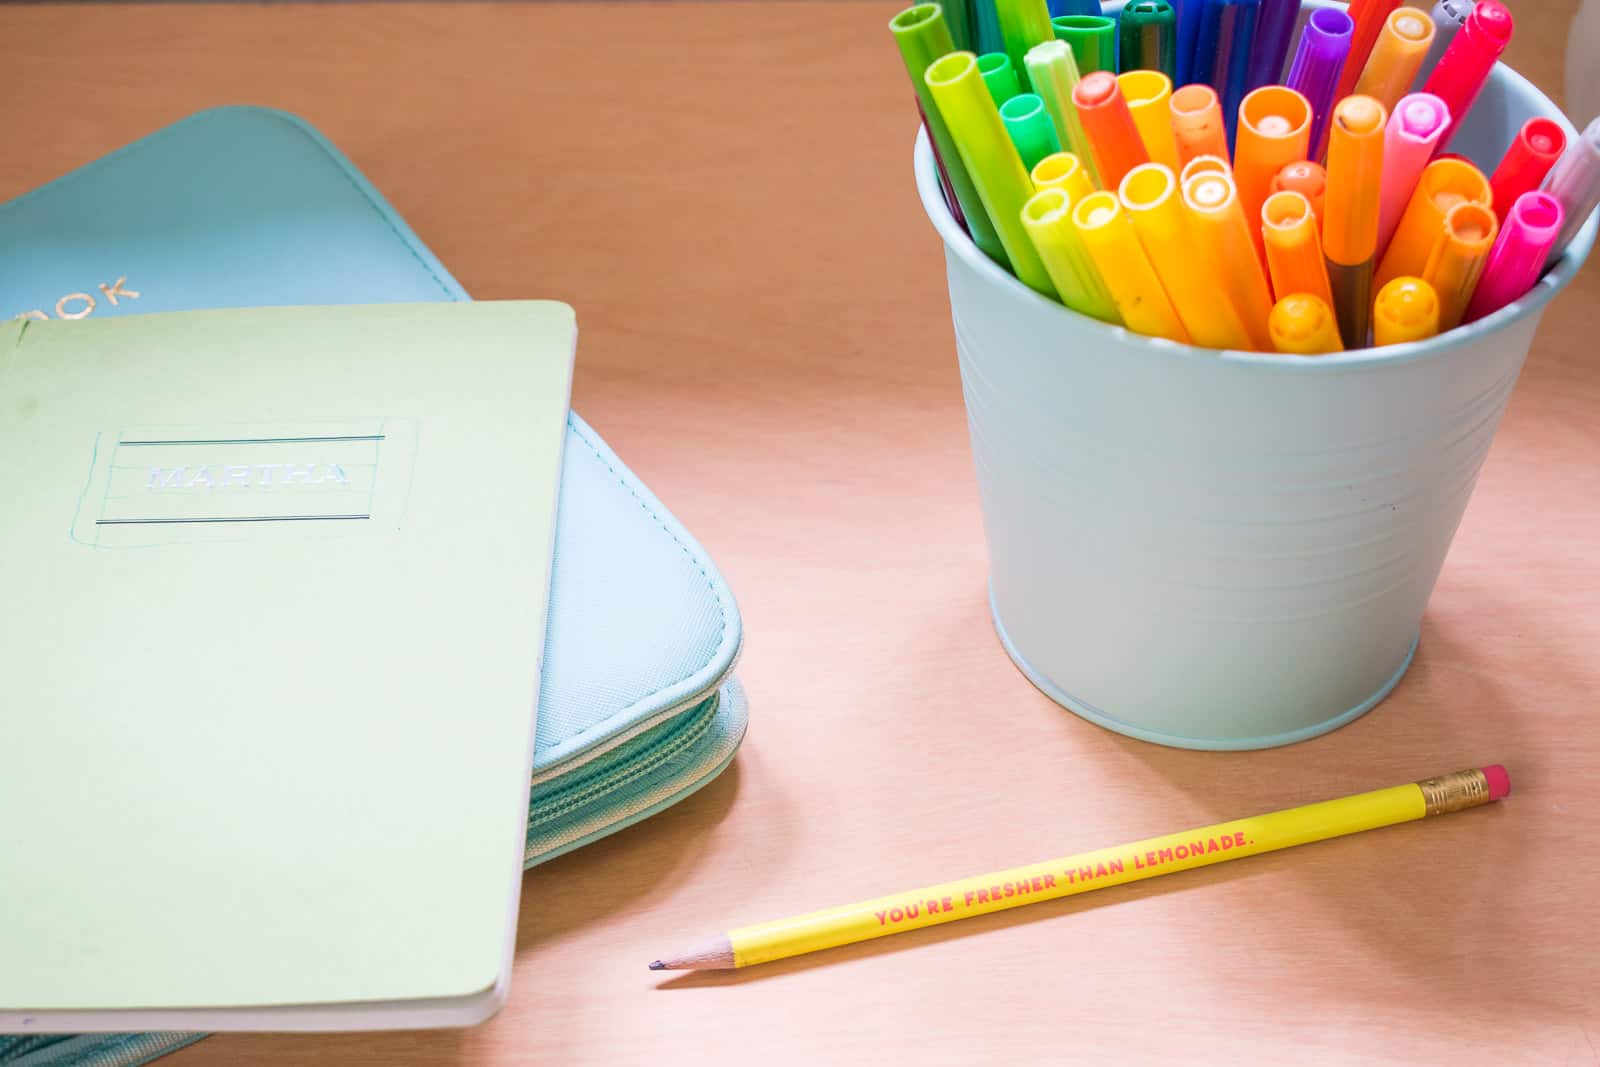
(1224, 550)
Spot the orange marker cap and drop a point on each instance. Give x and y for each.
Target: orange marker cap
(1197, 122)
(1402, 46)
(1456, 263)
(1108, 124)
(1306, 178)
(1355, 174)
(1221, 233)
(1294, 250)
(1274, 131)
(1444, 184)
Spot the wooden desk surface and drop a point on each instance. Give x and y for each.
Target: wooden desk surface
(724, 192)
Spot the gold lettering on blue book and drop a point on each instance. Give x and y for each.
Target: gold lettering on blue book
(246, 476)
(82, 305)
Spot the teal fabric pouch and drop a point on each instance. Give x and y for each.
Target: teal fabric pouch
(244, 206)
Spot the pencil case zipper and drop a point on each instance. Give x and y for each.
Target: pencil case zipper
(550, 774)
(676, 739)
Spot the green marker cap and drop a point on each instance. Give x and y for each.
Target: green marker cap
(1030, 128)
(999, 75)
(1093, 39)
(1147, 37)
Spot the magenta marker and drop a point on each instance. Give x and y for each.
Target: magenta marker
(1315, 72)
(1414, 131)
(1465, 65)
(1519, 253)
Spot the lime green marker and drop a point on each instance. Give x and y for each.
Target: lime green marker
(1023, 24)
(923, 37)
(1054, 74)
(990, 158)
(1047, 217)
(1030, 127)
(999, 75)
(1093, 39)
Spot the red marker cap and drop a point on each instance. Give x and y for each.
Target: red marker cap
(1539, 144)
(1109, 126)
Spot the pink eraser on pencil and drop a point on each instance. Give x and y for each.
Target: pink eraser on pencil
(1499, 781)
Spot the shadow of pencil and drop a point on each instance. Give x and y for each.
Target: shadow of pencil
(1185, 881)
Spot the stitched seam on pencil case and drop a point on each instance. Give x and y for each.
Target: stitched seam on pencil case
(601, 784)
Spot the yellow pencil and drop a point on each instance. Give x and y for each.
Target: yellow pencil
(1100, 869)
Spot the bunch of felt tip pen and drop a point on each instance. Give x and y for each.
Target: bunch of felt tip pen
(1302, 202)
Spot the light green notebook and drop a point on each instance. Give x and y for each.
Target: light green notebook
(269, 580)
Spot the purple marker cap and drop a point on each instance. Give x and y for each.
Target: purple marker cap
(1318, 63)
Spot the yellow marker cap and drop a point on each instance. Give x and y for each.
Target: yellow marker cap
(1047, 219)
(1064, 171)
(1109, 236)
(1407, 309)
(1149, 97)
(1149, 193)
(1204, 165)
(1221, 242)
(1303, 325)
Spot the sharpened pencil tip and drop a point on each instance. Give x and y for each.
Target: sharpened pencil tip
(657, 965)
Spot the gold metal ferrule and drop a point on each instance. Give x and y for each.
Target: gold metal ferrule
(1454, 792)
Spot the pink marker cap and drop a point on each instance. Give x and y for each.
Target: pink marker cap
(1421, 116)
(1519, 253)
(1414, 131)
(1499, 781)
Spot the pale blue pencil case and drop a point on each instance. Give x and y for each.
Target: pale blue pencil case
(243, 206)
